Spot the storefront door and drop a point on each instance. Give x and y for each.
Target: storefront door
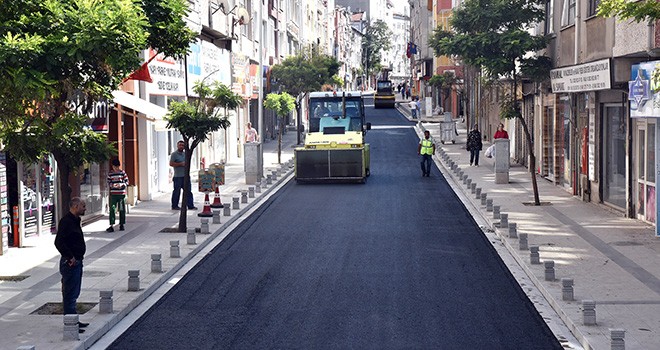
(645, 169)
(614, 157)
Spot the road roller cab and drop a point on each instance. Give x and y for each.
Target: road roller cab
(334, 148)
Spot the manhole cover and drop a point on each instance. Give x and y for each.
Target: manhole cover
(531, 204)
(13, 278)
(93, 273)
(56, 308)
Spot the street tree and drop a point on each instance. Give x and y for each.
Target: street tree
(304, 72)
(644, 10)
(195, 119)
(493, 36)
(282, 104)
(376, 40)
(60, 57)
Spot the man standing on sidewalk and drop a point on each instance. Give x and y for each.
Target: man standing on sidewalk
(178, 162)
(70, 242)
(413, 108)
(251, 134)
(426, 149)
(117, 183)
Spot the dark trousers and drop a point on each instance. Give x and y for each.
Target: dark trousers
(426, 164)
(474, 156)
(118, 201)
(71, 282)
(178, 186)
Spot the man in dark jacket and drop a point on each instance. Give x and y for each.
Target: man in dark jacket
(70, 242)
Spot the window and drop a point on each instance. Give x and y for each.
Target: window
(593, 6)
(549, 17)
(568, 13)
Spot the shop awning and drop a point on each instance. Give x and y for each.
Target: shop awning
(145, 109)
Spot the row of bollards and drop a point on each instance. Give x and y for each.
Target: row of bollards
(617, 336)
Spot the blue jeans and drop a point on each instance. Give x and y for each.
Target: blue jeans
(414, 113)
(426, 164)
(178, 186)
(71, 282)
(474, 156)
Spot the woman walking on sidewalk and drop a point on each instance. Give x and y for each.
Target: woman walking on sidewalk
(474, 145)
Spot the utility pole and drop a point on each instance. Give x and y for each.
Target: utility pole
(411, 41)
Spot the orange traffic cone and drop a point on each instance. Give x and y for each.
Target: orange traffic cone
(207, 208)
(217, 203)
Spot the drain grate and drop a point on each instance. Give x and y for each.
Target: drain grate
(56, 309)
(13, 278)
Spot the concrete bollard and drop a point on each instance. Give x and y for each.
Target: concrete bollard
(617, 341)
(496, 211)
(460, 174)
(244, 196)
(489, 205)
(473, 187)
(191, 238)
(235, 204)
(250, 192)
(105, 302)
(504, 221)
(567, 289)
(477, 193)
(522, 241)
(534, 257)
(71, 328)
(274, 175)
(513, 230)
(465, 177)
(257, 187)
(216, 217)
(174, 249)
(588, 312)
(133, 280)
(204, 227)
(269, 179)
(549, 266)
(468, 182)
(156, 263)
(484, 198)
(227, 210)
(26, 347)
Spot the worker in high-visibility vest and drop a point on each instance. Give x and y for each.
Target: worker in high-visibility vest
(426, 149)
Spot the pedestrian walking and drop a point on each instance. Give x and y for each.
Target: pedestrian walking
(70, 242)
(251, 134)
(418, 106)
(178, 163)
(426, 149)
(117, 185)
(413, 108)
(501, 133)
(474, 145)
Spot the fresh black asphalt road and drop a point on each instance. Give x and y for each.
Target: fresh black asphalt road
(396, 263)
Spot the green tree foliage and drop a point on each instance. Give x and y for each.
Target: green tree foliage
(307, 71)
(445, 83)
(282, 104)
(493, 35)
(644, 10)
(61, 56)
(195, 119)
(376, 40)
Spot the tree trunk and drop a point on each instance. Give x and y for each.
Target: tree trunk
(528, 137)
(279, 140)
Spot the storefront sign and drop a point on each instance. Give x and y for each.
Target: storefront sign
(584, 77)
(592, 147)
(168, 76)
(219, 171)
(240, 83)
(209, 63)
(643, 102)
(206, 179)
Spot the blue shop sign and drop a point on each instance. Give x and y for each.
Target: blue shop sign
(643, 102)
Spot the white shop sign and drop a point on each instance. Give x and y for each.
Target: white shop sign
(584, 77)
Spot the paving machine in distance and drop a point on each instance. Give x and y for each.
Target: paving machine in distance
(384, 97)
(334, 149)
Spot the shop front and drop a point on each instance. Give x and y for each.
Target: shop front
(644, 111)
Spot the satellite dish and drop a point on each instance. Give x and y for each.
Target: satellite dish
(223, 5)
(243, 16)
